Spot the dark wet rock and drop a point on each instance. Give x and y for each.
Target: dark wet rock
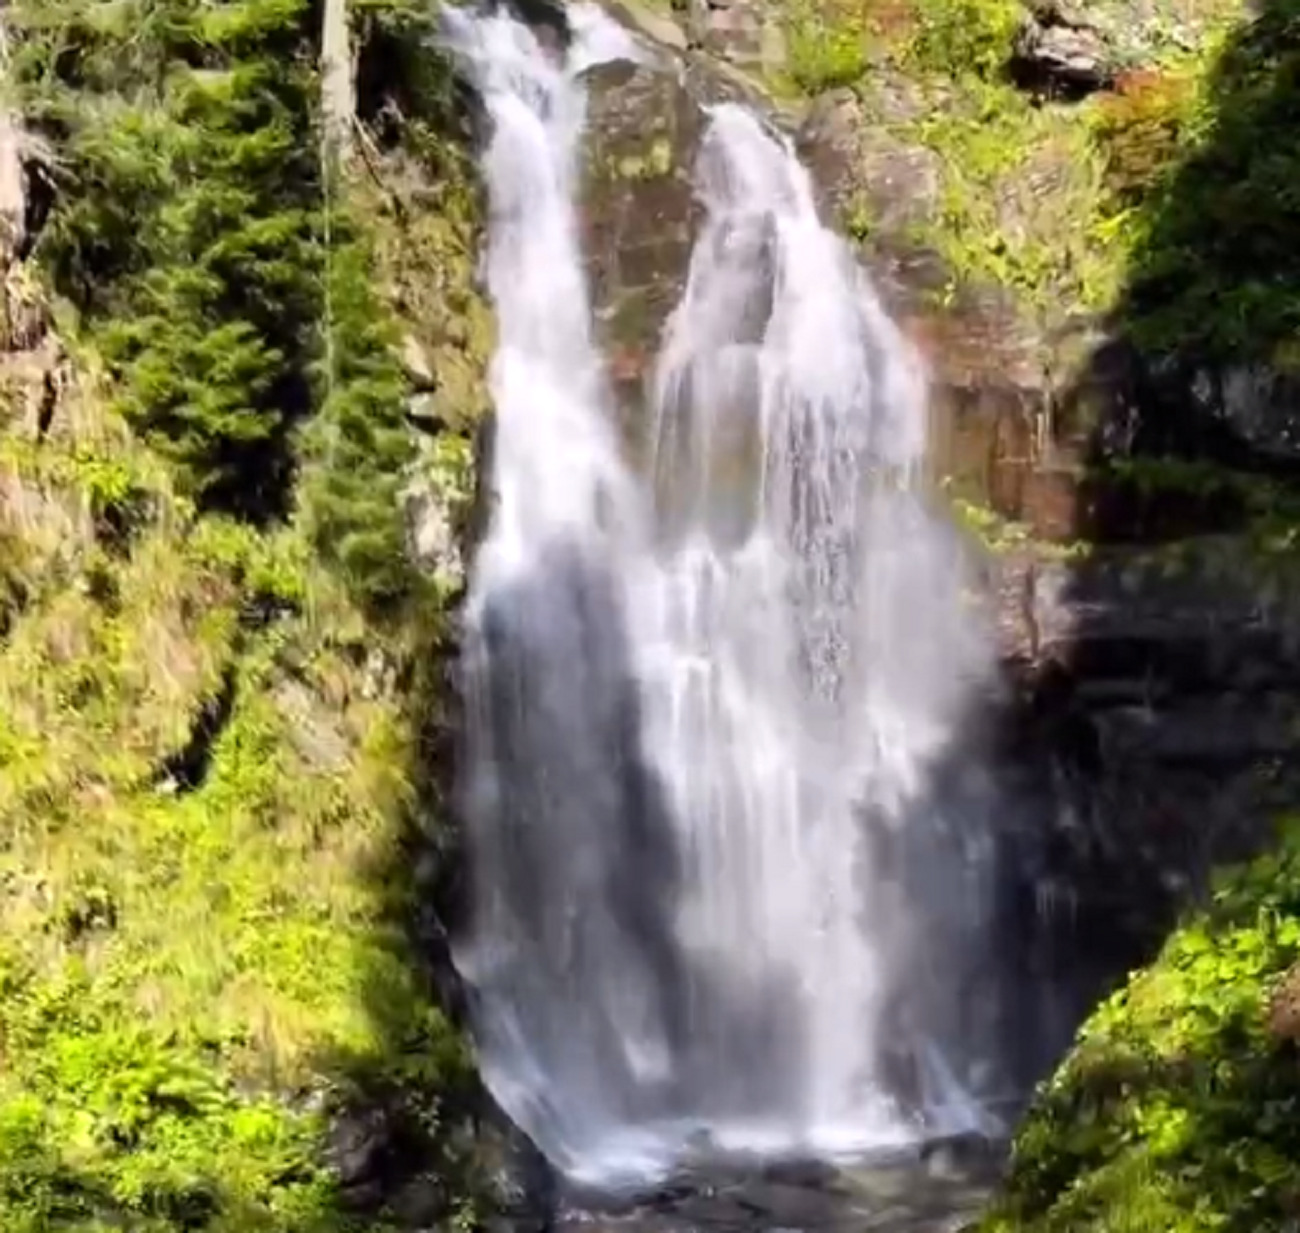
(524, 1188)
(384, 1159)
(899, 1193)
(1258, 403)
(1153, 735)
(548, 18)
(1245, 415)
(638, 211)
(807, 1173)
(1060, 51)
(367, 1150)
(790, 1205)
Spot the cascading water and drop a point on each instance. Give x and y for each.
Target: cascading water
(810, 658)
(719, 896)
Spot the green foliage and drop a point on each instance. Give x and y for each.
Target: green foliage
(1214, 263)
(120, 1124)
(194, 974)
(964, 37)
(361, 444)
(207, 771)
(401, 63)
(826, 49)
(997, 534)
(1014, 180)
(1140, 130)
(1178, 1108)
(185, 228)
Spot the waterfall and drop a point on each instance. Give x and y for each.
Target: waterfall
(730, 873)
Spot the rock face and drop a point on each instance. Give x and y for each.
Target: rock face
(743, 31)
(644, 126)
(1161, 687)
(639, 216)
(1062, 51)
(992, 402)
(992, 432)
(1072, 49)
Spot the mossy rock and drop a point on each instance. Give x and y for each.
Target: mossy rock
(1176, 1108)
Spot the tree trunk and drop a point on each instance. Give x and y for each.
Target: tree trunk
(338, 86)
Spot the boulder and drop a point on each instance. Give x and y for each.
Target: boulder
(858, 161)
(1062, 52)
(745, 32)
(415, 363)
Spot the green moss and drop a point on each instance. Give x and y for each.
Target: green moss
(1050, 203)
(999, 535)
(826, 47)
(210, 788)
(198, 951)
(1176, 1108)
(655, 162)
(1015, 180)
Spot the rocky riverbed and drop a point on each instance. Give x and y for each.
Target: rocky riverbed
(935, 1188)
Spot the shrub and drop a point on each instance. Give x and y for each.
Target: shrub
(1177, 1108)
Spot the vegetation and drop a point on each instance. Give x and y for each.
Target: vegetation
(1212, 254)
(996, 534)
(1054, 202)
(185, 236)
(215, 683)
(179, 1016)
(963, 39)
(361, 439)
(1177, 1108)
(218, 663)
(827, 47)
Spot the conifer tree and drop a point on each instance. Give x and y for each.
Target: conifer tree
(186, 230)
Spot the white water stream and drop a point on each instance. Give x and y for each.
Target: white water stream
(717, 901)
